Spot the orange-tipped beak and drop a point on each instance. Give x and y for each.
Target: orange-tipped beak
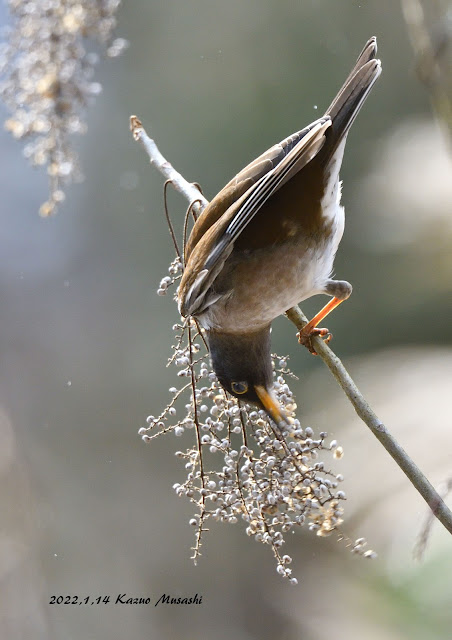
(271, 405)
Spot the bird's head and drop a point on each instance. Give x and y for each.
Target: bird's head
(242, 363)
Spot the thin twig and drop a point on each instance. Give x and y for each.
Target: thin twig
(295, 315)
(202, 502)
(191, 209)
(168, 220)
(424, 534)
(188, 190)
(431, 47)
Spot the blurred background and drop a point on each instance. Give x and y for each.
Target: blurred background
(87, 508)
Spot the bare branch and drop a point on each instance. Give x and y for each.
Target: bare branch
(295, 315)
(432, 46)
(367, 415)
(190, 191)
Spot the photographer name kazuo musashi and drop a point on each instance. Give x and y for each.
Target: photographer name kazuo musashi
(123, 598)
(167, 599)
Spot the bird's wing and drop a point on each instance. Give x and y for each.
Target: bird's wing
(248, 177)
(299, 156)
(276, 166)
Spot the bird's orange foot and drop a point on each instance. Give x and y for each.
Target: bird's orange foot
(305, 337)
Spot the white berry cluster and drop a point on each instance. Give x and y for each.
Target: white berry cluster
(46, 79)
(240, 465)
(175, 272)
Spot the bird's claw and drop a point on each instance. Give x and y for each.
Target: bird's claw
(305, 337)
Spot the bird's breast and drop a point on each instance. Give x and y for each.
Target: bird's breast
(284, 255)
(258, 285)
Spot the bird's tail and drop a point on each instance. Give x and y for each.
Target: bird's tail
(346, 105)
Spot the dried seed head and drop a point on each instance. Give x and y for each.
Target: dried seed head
(46, 79)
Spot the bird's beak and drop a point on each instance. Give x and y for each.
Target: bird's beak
(271, 405)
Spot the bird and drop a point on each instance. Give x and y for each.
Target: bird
(267, 241)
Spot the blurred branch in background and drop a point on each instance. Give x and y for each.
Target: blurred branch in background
(430, 31)
(426, 530)
(413, 473)
(46, 79)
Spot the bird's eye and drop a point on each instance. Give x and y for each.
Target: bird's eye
(239, 387)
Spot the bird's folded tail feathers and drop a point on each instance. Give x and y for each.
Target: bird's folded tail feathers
(348, 102)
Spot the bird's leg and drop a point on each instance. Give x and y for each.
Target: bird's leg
(341, 290)
(311, 329)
